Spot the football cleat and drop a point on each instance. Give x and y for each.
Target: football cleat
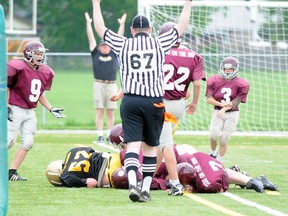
(100, 140)
(144, 196)
(256, 185)
(267, 184)
(134, 193)
(16, 177)
(176, 190)
(213, 156)
(108, 140)
(235, 168)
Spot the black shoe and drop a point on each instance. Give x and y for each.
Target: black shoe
(16, 177)
(144, 196)
(255, 184)
(108, 140)
(213, 156)
(134, 193)
(176, 190)
(235, 168)
(267, 184)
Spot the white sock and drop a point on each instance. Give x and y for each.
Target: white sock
(100, 133)
(214, 153)
(146, 184)
(174, 182)
(132, 178)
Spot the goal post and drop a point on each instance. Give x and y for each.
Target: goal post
(3, 119)
(254, 32)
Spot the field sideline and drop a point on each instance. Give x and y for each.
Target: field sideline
(257, 155)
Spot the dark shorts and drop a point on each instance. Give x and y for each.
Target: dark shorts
(141, 120)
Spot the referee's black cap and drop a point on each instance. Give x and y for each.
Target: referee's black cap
(140, 21)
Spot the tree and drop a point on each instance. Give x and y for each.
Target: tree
(62, 26)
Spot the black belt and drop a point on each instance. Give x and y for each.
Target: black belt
(105, 81)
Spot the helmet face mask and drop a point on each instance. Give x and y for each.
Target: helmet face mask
(117, 137)
(229, 63)
(35, 53)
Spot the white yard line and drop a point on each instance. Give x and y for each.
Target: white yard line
(203, 133)
(265, 209)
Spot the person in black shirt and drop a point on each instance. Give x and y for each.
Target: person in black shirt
(105, 67)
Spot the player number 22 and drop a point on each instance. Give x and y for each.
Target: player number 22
(35, 90)
(169, 71)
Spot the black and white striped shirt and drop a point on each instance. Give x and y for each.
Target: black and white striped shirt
(141, 59)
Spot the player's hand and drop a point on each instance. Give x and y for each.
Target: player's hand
(122, 19)
(191, 108)
(10, 113)
(56, 112)
(88, 19)
(114, 98)
(221, 112)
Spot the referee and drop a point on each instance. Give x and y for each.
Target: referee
(141, 59)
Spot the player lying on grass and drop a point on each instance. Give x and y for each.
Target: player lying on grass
(209, 174)
(83, 167)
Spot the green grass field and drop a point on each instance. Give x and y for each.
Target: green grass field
(257, 155)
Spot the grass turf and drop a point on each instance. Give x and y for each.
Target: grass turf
(257, 155)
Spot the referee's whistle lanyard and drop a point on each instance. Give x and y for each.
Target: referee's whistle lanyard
(168, 117)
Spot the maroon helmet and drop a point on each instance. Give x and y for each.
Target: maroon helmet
(120, 178)
(229, 63)
(166, 27)
(29, 52)
(117, 137)
(186, 173)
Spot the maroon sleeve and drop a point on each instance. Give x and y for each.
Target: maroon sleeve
(209, 86)
(198, 72)
(243, 90)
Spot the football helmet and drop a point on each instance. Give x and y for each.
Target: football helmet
(53, 172)
(29, 52)
(120, 178)
(166, 27)
(229, 63)
(117, 137)
(186, 173)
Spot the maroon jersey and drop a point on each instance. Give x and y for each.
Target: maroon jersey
(211, 174)
(26, 84)
(182, 66)
(224, 90)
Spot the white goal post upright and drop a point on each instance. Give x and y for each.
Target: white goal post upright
(256, 33)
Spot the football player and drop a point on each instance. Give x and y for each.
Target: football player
(209, 175)
(212, 177)
(84, 167)
(225, 91)
(28, 79)
(182, 67)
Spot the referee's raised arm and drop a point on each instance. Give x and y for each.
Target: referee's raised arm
(184, 17)
(99, 23)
